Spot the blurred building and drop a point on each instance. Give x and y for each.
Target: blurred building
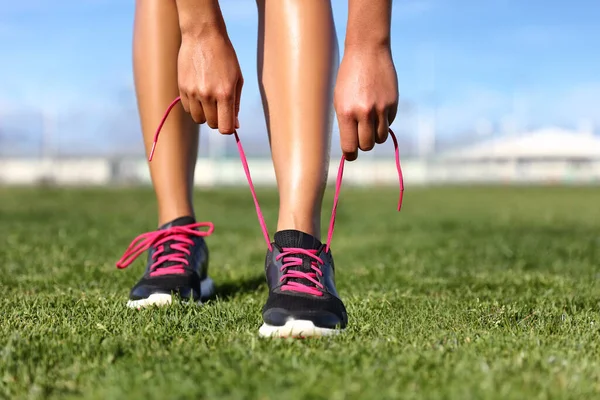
(545, 155)
(550, 155)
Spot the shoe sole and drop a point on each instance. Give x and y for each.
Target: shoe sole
(296, 329)
(207, 289)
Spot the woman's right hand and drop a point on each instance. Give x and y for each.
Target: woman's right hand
(210, 80)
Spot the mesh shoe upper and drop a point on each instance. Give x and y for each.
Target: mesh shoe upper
(177, 259)
(300, 275)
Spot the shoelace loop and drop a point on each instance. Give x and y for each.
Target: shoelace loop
(293, 261)
(179, 243)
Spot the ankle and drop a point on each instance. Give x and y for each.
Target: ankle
(304, 225)
(165, 217)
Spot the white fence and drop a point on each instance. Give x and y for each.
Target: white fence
(107, 171)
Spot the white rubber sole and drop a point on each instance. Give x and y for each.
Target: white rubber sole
(296, 329)
(207, 288)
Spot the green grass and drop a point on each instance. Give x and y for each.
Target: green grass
(467, 293)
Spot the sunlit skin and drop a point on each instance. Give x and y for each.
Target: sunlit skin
(156, 43)
(182, 48)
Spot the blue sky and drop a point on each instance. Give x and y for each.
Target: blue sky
(478, 60)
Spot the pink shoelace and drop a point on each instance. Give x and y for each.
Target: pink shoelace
(288, 254)
(180, 242)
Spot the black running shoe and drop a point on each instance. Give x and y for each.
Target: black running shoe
(177, 264)
(303, 301)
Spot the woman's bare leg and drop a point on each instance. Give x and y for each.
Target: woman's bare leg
(298, 54)
(177, 260)
(155, 48)
(297, 68)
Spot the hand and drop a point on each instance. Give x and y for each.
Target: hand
(210, 81)
(365, 98)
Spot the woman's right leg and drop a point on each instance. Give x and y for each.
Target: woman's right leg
(155, 48)
(178, 256)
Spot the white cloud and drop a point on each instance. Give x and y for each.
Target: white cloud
(564, 107)
(577, 102)
(474, 105)
(6, 107)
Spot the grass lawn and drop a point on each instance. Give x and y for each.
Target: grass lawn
(467, 293)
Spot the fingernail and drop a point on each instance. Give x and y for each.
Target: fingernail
(237, 123)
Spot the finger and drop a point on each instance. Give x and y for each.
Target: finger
(185, 102)
(349, 137)
(226, 115)
(392, 110)
(238, 96)
(382, 127)
(196, 111)
(210, 111)
(366, 132)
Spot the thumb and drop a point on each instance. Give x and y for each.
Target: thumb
(238, 97)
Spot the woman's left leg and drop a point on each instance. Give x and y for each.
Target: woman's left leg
(298, 56)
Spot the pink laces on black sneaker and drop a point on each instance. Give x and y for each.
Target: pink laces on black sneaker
(180, 242)
(290, 261)
(292, 258)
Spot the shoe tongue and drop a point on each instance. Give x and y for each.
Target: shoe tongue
(294, 238)
(181, 221)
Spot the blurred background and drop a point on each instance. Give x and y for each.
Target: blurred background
(497, 91)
